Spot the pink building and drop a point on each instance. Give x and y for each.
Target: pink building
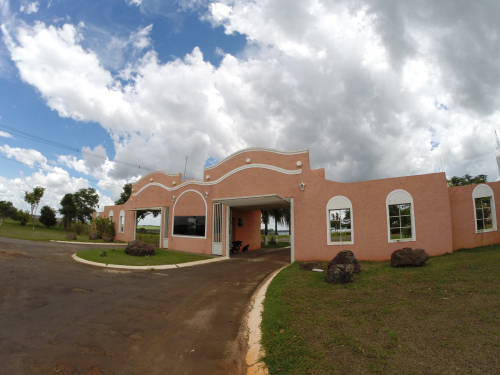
(370, 218)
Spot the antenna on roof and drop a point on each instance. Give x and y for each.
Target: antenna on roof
(185, 166)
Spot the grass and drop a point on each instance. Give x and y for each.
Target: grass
(148, 238)
(149, 227)
(274, 245)
(440, 318)
(12, 229)
(118, 256)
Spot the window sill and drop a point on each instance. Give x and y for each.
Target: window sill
(405, 240)
(341, 243)
(179, 235)
(486, 230)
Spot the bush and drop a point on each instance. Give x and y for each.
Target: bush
(23, 217)
(78, 228)
(103, 226)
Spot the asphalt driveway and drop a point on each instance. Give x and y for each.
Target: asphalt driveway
(58, 316)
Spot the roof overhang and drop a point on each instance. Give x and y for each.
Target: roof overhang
(256, 202)
(144, 209)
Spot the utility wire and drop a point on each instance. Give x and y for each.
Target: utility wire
(36, 138)
(66, 174)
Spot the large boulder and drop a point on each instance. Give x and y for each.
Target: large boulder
(407, 257)
(139, 248)
(345, 257)
(342, 268)
(107, 238)
(93, 236)
(340, 274)
(309, 266)
(71, 236)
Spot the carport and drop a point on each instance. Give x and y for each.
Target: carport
(249, 203)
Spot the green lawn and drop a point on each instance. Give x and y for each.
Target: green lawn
(149, 227)
(148, 238)
(118, 256)
(12, 229)
(271, 245)
(440, 318)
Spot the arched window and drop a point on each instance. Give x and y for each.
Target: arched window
(484, 209)
(111, 215)
(400, 216)
(121, 222)
(339, 221)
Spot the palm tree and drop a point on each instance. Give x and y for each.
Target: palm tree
(265, 215)
(279, 216)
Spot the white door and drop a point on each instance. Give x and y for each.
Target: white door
(166, 214)
(217, 229)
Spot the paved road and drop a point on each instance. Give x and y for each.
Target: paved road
(58, 316)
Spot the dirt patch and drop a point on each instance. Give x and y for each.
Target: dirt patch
(13, 255)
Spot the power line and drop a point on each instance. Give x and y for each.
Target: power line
(36, 138)
(65, 174)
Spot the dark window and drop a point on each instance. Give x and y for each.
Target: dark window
(241, 222)
(189, 226)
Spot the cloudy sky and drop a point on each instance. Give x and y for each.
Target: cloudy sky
(373, 88)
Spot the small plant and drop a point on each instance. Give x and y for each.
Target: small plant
(146, 256)
(103, 253)
(78, 228)
(103, 227)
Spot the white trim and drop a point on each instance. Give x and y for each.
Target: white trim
(122, 214)
(400, 196)
(144, 209)
(484, 191)
(110, 213)
(273, 150)
(227, 220)
(200, 183)
(338, 202)
(135, 225)
(292, 224)
(149, 173)
(173, 214)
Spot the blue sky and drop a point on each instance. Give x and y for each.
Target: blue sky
(372, 90)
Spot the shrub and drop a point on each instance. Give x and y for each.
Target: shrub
(78, 227)
(23, 217)
(103, 226)
(47, 217)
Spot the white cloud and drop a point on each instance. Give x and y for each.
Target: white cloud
(134, 2)
(355, 82)
(27, 156)
(5, 134)
(30, 8)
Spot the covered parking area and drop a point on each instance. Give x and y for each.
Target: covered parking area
(243, 220)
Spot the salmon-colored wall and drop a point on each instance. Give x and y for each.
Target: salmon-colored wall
(249, 234)
(462, 216)
(442, 214)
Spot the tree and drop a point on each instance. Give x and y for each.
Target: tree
(125, 195)
(47, 217)
(279, 216)
(68, 210)
(7, 209)
(86, 201)
(265, 215)
(33, 199)
(467, 180)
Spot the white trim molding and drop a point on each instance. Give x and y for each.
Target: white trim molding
(150, 173)
(400, 196)
(338, 203)
(236, 170)
(484, 191)
(273, 150)
(206, 214)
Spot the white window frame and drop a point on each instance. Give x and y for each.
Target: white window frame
(338, 202)
(400, 196)
(484, 191)
(111, 215)
(206, 216)
(121, 228)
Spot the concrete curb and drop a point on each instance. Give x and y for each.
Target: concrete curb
(254, 319)
(160, 267)
(92, 243)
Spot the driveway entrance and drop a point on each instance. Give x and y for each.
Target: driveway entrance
(59, 316)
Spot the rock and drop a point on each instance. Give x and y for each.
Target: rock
(345, 257)
(107, 238)
(340, 274)
(309, 266)
(407, 257)
(139, 248)
(71, 236)
(93, 236)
